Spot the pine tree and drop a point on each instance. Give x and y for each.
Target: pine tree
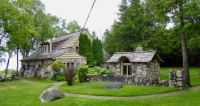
(85, 48)
(97, 51)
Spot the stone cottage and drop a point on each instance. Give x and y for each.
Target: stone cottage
(64, 48)
(139, 64)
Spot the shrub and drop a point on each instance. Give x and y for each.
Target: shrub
(82, 72)
(98, 70)
(57, 65)
(69, 73)
(58, 77)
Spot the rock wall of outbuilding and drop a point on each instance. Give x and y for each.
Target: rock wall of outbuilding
(143, 70)
(146, 72)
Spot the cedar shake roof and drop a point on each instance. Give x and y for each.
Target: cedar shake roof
(136, 56)
(53, 54)
(57, 43)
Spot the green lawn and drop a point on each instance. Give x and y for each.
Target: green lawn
(18, 93)
(95, 88)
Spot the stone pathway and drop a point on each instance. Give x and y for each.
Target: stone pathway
(192, 89)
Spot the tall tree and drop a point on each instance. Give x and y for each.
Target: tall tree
(97, 51)
(3, 40)
(73, 27)
(16, 24)
(136, 24)
(185, 16)
(94, 34)
(85, 48)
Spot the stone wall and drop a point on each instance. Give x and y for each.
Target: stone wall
(42, 68)
(139, 70)
(130, 80)
(176, 79)
(37, 69)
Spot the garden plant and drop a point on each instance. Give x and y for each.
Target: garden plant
(69, 74)
(82, 73)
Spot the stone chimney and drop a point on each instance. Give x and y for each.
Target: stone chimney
(139, 48)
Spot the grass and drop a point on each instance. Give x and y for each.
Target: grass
(41, 80)
(20, 93)
(95, 88)
(17, 93)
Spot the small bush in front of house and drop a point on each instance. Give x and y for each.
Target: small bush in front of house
(58, 77)
(57, 65)
(82, 72)
(69, 73)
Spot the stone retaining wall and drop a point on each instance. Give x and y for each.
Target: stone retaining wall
(130, 80)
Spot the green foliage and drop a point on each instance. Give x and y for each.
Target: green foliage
(69, 73)
(85, 47)
(73, 27)
(57, 65)
(58, 77)
(135, 27)
(183, 14)
(98, 70)
(147, 24)
(82, 72)
(97, 51)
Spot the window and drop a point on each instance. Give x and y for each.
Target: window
(44, 48)
(127, 70)
(77, 64)
(68, 64)
(72, 64)
(76, 48)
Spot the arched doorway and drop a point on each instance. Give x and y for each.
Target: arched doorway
(125, 66)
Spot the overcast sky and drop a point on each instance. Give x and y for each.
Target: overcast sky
(102, 16)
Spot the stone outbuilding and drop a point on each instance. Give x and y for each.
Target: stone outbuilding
(139, 63)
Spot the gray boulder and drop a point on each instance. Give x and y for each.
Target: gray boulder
(50, 95)
(113, 85)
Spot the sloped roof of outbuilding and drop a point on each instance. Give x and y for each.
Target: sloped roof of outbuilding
(137, 56)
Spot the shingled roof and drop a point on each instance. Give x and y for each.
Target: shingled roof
(57, 43)
(137, 56)
(39, 55)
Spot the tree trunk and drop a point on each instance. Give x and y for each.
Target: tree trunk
(6, 71)
(185, 61)
(186, 76)
(17, 60)
(25, 52)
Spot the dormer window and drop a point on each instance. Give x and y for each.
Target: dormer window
(44, 49)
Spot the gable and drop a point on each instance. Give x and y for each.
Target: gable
(74, 42)
(71, 53)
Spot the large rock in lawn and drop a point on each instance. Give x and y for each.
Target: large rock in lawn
(113, 85)
(50, 95)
